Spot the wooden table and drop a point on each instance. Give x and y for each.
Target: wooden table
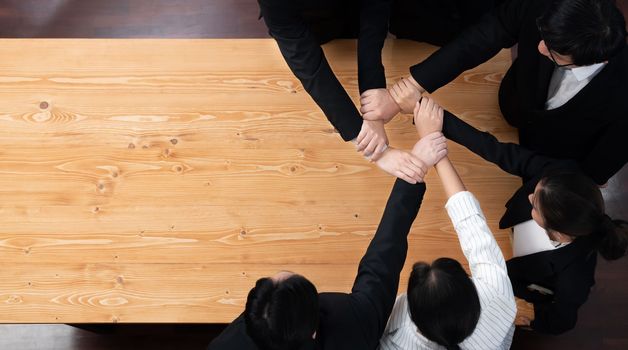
(156, 180)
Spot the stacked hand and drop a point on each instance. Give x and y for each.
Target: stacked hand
(431, 148)
(378, 104)
(372, 139)
(428, 117)
(402, 164)
(406, 92)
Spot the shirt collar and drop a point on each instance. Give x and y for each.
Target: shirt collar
(584, 72)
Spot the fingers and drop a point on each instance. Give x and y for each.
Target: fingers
(438, 140)
(414, 172)
(405, 177)
(411, 167)
(418, 165)
(365, 101)
(369, 93)
(396, 92)
(433, 136)
(364, 132)
(440, 146)
(417, 111)
(371, 115)
(372, 145)
(440, 155)
(381, 147)
(429, 106)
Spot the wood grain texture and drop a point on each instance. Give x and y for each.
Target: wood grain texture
(183, 164)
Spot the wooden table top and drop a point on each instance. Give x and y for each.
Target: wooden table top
(156, 180)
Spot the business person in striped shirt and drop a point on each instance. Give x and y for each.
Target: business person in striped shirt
(559, 226)
(443, 307)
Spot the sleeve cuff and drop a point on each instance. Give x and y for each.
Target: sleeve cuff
(461, 206)
(416, 73)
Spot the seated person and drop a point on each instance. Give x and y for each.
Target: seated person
(565, 91)
(559, 225)
(443, 307)
(286, 311)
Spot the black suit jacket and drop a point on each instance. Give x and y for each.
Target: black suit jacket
(568, 271)
(301, 50)
(589, 128)
(357, 320)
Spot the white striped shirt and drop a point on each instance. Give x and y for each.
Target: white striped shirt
(495, 327)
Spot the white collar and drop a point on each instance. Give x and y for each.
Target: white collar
(584, 72)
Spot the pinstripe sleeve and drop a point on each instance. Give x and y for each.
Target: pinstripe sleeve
(478, 244)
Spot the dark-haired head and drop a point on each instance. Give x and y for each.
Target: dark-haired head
(587, 31)
(572, 204)
(443, 302)
(282, 313)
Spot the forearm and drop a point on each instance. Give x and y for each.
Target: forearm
(477, 242)
(374, 16)
(449, 177)
(306, 60)
(477, 44)
(512, 158)
(378, 273)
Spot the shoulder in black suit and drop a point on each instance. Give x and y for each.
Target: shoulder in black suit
(357, 320)
(590, 128)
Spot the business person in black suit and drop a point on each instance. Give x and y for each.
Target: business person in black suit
(566, 89)
(299, 27)
(568, 207)
(286, 312)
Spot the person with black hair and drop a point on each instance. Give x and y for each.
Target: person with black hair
(286, 312)
(559, 225)
(566, 89)
(443, 307)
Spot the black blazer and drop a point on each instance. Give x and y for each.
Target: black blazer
(358, 319)
(589, 128)
(568, 271)
(287, 23)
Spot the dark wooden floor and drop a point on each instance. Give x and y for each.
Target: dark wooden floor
(130, 18)
(603, 322)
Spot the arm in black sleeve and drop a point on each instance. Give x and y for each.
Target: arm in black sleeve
(512, 158)
(375, 287)
(609, 154)
(374, 17)
(497, 30)
(307, 61)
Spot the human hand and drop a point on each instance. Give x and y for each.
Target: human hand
(372, 139)
(522, 321)
(377, 104)
(405, 94)
(431, 148)
(428, 116)
(402, 164)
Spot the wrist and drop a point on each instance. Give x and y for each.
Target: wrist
(376, 158)
(397, 102)
(415, 84)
